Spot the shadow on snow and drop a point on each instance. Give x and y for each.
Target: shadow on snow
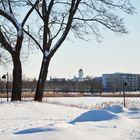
(95, 115)
(104, 114)
(34, 130)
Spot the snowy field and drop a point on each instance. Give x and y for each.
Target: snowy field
(71, 119)
(94, 102)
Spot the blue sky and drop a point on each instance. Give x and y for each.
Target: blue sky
(114, 54)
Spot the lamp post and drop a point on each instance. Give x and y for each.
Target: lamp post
(5, 76)
(124, 85)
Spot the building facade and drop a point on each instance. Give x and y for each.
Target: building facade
(118, 82)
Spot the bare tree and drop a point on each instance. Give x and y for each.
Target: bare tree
(58, 19)
(11, 39)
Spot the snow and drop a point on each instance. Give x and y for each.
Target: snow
(93, 102)
(116, 109)
(46, 53)
(14, 49)
(44, 121)
(20, 31)
(95, 115)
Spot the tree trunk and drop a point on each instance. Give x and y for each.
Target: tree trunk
(42, 80)
(17, 79)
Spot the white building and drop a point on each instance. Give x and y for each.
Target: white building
(81, 74)
(120, 81)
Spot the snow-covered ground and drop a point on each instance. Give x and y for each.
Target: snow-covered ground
(94, 102)
(43, 121)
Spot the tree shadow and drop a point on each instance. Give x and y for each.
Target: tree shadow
(34, 130)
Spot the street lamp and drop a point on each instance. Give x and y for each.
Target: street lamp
(124, 85)
(5, 76)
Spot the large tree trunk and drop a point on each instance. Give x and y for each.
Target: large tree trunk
(17, 79)
(42, 80)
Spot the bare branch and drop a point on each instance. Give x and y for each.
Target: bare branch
(10, 8)
(4, 43)
(74, 6)
(44, 9)
(3, 4)
(60, 28)
(29, 12)
(28, 33)
(50, 7)
(37, 10)
(10, 17)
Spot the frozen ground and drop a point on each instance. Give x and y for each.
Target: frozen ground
(43, 121)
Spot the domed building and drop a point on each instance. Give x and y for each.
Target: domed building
(81, 74)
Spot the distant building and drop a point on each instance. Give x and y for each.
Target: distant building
(57, 79)
(81, 74)
(120, 81)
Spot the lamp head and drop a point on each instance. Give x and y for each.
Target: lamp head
(4, 76)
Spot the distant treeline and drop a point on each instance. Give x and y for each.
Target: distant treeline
(91, 86)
